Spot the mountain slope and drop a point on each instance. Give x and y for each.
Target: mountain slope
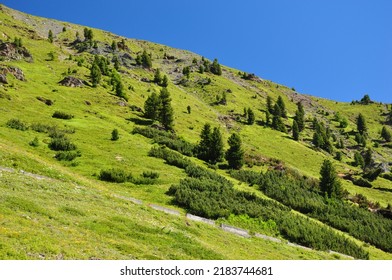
(97, 111)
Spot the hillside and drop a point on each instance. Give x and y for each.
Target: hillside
(65, 88)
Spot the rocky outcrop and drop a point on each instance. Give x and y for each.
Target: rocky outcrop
(15, 71)
(9, 51)
(70, 81)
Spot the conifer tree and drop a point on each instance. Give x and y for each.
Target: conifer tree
(282, 106)
(250, 116)
(202, 149)
(267, 118)
(216, 147)
(144, 60)
(368, 158)
(50, 36)
(295, 130)
(165, 81)
(166, 110)
(330, 185)
(361, 124)
(157, 77)
(215, 68)
(277, 122)
(186, 71)
(235, 153)
(358, 160)
(95, 74)
(152, 106)
(300, 116)
(270, 107)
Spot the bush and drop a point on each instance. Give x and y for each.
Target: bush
(387, 176)
(362, 182)
(115, 136)
(34, 142)
(150, 174)
(61, 143)
(67, 155)
(115, 175)
(168, 139)
(17, 124)
(62, 115)
(42, 128)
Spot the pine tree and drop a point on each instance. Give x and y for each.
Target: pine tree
(115, 135)
(186, 71)
(120, 91)
(95, 74)
(166, 110)
(235, 153)
(295, 131)
(277, 122)
(216, 147)
(251, 116)
(157, 77)
(50, 36)
(368, 159)
(267, 118)
(152, 106)
(215, 68)
(270, 107)
(165, 81)
(329, 181)
(358, 160)
(202, 149)
(88, 34)
(361, 124)
(386, 134)
(282, 106)
(300, 116)
(114, 46)
(144, 60)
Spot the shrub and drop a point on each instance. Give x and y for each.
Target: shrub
(150, 174)
(115, 175)
(42, 128)
(62, 115)
(115, 136)
(17, 124)
(168, 139)
(61, 144)
(387, 176)
(362, 182)
(67, 155)
(34, 142)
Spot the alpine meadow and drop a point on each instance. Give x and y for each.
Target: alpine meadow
(117, 148)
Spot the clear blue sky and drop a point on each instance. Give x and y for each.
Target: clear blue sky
(335, 49)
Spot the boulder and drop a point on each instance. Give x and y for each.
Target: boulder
(3, 79)
(70, 81)
(12, 52)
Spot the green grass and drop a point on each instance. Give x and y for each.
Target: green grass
(88, 222)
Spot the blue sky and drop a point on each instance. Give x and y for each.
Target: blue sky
(334, 49)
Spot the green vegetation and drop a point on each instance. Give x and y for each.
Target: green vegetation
(80, 207)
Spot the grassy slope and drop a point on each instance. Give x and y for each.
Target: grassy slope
(93, 124)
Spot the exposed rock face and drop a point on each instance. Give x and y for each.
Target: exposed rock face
(15, 71)
(10, 51)
(70, 81)
(3, 79)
